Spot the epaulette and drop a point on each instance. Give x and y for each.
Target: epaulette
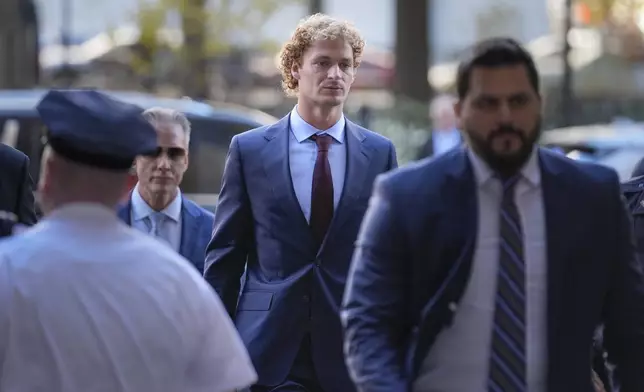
(635, 184)
(633, 192)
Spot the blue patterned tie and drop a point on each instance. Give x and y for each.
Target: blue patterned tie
(508, 359)
(156, 220)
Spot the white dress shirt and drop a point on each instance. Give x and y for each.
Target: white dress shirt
(303, 153)
(170, 227)
(459, 359)
(88, 304)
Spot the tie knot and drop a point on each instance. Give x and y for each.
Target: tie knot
(156, 218)
(509, 183)
(323, 141)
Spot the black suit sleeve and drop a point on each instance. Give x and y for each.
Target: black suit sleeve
(624, 305)
(227, 251)
(25, 209)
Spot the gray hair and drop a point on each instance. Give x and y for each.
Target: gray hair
(441, 104)
(159, 115)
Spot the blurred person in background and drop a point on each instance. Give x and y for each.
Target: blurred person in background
(86, 302)
(445, 134)
(16, 185)
(490, 267)
(292, 199)
(156, 205)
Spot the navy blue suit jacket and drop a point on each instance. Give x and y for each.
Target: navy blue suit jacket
(414, 257)
(291, 286)
(196, 229)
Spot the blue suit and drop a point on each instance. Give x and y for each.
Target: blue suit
(292, 288)
(414, 257)
(196, 229)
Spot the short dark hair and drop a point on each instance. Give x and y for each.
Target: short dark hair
(493, 53)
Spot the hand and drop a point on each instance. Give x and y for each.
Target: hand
(597, 383)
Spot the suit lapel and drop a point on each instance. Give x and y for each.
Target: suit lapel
(558, 228)
(461, 186)
(275, 157)
(357, 171)
(461, 224)
(189, 230)
(125, 210)
(447, 259)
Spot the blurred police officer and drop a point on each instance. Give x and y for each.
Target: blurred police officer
(86, 302)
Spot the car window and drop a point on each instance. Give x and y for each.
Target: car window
(209, 142)
(210, 139)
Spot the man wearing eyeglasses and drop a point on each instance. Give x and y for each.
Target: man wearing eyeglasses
(155, 205)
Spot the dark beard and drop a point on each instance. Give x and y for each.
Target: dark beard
(505, 164)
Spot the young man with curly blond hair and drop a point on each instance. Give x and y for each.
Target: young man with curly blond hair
(292, 199)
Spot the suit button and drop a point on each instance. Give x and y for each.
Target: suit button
(318, 262)
(306, 298)
(452, 307)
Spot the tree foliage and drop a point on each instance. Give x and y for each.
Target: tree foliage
(599, 12)
(209, 28)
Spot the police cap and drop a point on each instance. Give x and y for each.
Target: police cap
(92, 128)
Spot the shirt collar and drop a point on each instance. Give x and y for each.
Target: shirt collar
(482, 172)
(83, 211)
(141, 209)
(303, 130)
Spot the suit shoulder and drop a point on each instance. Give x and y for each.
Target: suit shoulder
(252, 134)
(374, 137)
(248, 142)
(585, 171)
(419, 175)
(203, 213)
(124, 204)
(11, 155)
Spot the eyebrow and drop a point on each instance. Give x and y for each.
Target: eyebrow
(324, 57)
(509, 96)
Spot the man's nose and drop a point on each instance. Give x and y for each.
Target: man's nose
(335, 72)
(505, 112)
(163, 162)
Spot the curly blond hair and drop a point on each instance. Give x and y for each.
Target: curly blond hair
(315, 28)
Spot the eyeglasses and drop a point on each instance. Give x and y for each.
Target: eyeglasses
(171, 152)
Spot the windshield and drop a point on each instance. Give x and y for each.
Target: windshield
(210, 139)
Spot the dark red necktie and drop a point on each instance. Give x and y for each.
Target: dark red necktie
(321, 190)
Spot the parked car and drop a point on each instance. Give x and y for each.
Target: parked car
(618, 145)
(213, 126)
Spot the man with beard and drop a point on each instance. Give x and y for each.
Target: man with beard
(489, 267)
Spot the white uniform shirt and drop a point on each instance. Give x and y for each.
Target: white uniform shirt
(88, 304)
